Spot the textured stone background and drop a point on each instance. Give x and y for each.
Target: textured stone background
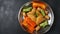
(9, 11)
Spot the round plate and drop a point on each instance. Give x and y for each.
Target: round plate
(50, 21)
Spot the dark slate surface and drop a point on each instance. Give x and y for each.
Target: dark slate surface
(8, 16)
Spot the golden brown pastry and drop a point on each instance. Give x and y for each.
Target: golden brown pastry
(46, 12)
(47, 17)
(31, 15)
(37, 28)
(39, 19)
